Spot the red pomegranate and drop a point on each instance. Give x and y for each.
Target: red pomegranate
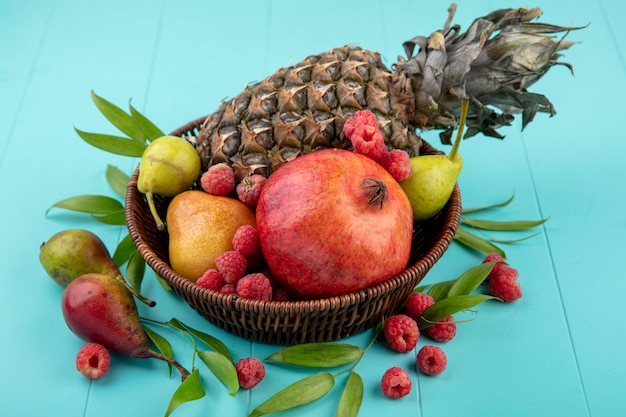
(331, 222)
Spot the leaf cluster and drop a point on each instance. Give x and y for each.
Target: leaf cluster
(454, 296)
(138, 131)
(315, 386)
(488, 243)
(217, 359)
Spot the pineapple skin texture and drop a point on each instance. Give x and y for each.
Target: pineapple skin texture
(303, 108)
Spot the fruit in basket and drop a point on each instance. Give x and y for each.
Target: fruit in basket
(331, 222)
(302, 108)
(201, 227)
(169, 166)
(432, 181)
(71, 253)
(99, 309)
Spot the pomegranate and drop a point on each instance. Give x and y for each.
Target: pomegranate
(331, 222)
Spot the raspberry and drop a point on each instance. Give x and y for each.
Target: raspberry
(219, 179)
(232, 265)
(395, 382)
(397, 163)
(249, 189)
(255, 286)
(431, 360)
(368, 140)
(250, 372)
(211, 279)
(246, 240)
(93, 360)
(361, 117)
(401, 332)
(500, 263)
(442, 331)
(493, 257)
(416, 304)
(229, 289)
(505, 285)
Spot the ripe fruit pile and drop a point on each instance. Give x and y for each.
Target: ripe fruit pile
(327, 223)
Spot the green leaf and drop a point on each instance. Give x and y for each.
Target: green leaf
(149, 129)
(440, 290)
(317, 355)
(124, 251)
(470, 280)
(116, 218)
(95, 204)
(190, 389)
(493, 239)
(113, 144)
(502, 204)
(352, 397)
(135, 271)
(207, 339)
(223, 369)
(163, 283)
(475, 242)
(297, 394)
(449, 306)
(119, 118)
(503, 225)
(161, 344)
(117, 179)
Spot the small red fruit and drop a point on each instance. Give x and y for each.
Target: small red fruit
(442, 331)
(219, 179)
(396, 383)
(431, 360)
(250, 371)
(333, 221)
(401, 332)
(93, 360)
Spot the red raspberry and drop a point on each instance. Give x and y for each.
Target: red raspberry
(250, 372)
(500, 263)
(398, 164)
(93, 360)
(219, 179)
(395, 383)
(211, 279)
(360, 118)
(368, 140)
(249, 189)
(229, 289)
(255, 286)
(401, 332)
(231, 265)
(505, 285)
(493, 257)
(431, 360)
(416, 304)
(246, 240)
(442, 331)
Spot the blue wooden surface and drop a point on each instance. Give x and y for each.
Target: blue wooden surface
(557, 351)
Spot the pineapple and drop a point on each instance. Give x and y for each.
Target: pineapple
(302, 108)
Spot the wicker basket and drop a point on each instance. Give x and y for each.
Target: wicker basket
(289, 323)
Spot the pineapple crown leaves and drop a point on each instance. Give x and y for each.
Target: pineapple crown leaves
(492, 63)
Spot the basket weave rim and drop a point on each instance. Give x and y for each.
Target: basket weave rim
(236, 303)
